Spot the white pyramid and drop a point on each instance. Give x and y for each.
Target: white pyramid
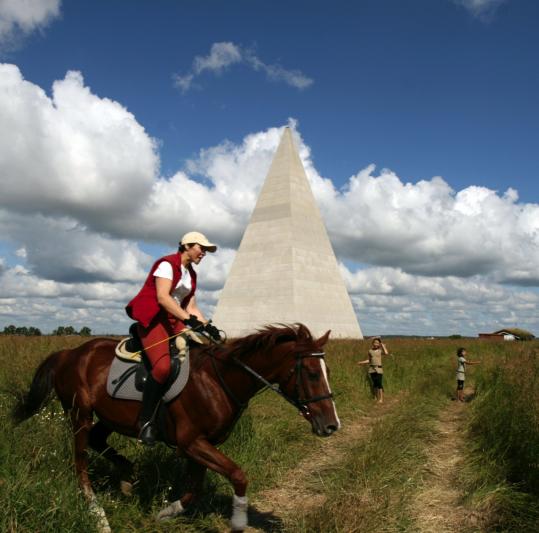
(285, 270)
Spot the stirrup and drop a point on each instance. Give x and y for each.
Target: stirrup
(146, 434)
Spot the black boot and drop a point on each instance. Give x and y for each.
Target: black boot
(150, 400)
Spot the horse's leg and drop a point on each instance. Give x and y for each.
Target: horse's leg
(97, 439)
(194, 478)
(82, 423)
(207, 455)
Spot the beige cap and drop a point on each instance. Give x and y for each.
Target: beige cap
(194, 237)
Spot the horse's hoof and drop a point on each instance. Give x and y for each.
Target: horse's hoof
(126, 487)
(174, 509)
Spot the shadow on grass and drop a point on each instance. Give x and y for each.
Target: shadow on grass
(268, 522)
(161, 476)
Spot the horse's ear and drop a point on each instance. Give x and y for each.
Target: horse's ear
(323, 339)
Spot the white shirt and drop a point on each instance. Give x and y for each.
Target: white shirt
(183, 288)
(461, 369)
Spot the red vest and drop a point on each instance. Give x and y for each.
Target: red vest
(144, 306)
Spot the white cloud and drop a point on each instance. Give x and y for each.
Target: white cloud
(427, 228)
(213, 270)
(86, 158)
(28, 299)
(61, 249)
(21, 252)
(73, 153)
(25, 16)
(397, 302)
(294, 78)
(224, 54)
(481, 9)
(221, 56)
(80, 186)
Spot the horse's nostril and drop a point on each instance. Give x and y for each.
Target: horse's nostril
(331, 428)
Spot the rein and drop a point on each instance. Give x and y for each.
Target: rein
(299, 403)
(226, 388)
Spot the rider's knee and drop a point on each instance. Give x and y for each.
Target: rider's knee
(161, 370)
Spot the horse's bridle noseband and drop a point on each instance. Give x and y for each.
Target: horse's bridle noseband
(296, 401)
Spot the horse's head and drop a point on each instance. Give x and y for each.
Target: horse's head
(290, 357)
(305, 380)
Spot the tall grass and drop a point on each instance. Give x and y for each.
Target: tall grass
(37, 488)
(39, 492)
(370, 491)
(502, 474)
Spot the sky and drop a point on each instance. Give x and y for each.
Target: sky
(124, 125)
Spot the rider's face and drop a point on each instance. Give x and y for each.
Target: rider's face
(196, 253)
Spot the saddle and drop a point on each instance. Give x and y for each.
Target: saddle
(129, 370)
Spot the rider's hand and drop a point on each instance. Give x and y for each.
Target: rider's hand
(213, 332)
(194, 323)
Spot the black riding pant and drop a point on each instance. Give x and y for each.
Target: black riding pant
(377, 380)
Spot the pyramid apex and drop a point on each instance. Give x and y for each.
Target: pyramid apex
(288, 134)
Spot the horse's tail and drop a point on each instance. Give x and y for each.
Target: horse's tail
(40, 390)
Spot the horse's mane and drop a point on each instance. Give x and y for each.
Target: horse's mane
(264, 340)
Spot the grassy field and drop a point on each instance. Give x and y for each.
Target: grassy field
(502, 476)
(369, 488)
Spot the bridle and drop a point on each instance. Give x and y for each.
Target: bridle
(297, 401)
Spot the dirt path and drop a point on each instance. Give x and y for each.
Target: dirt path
(295, 491)
(437, 507)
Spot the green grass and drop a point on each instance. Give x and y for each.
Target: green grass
(372, 488)
(38, 490)
(502, 472)
(38, 487)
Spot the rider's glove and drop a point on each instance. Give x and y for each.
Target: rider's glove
(213, 332)
(194, 323)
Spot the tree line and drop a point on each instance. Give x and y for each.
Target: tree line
(31, 331)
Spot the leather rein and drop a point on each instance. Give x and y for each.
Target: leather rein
(296, 370)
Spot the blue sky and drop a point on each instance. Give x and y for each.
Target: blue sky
(424, 88)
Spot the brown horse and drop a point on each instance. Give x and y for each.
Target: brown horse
(223, 379)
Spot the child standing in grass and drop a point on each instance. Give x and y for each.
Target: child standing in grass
(376, 370)
(461, 371)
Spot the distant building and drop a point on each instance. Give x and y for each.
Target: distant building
(513, 334)
(504, 336)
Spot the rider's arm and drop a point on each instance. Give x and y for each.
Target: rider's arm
(192, 309)
(363, 362)
(165, 300)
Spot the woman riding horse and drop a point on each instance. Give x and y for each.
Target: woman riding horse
(165, 305)
(224, 377)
